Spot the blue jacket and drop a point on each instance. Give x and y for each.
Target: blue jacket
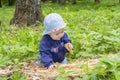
(52, 50)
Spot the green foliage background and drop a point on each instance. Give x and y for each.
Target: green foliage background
(93, 28)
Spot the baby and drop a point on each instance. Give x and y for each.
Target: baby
(55, 42)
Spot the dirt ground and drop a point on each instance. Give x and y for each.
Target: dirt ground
(34, 71)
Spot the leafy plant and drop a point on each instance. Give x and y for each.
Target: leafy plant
(63, 74)
(18, 76)
(106, 69)
(4, 60)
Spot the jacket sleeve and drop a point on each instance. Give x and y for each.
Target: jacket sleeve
(46, 56)
(66, 39)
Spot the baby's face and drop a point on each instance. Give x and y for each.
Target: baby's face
(57, 35)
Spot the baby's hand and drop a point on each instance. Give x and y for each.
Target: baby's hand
(69, 47)
(51, 67)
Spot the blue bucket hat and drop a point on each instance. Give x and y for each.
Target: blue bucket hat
(53, 21)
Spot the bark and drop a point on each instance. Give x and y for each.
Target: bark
(0, 23)
(54, 1)
(44, 0)
(62, 2)
(97, 1)
(0, 3)
(27, 12)
(73, 1)
(11, 2)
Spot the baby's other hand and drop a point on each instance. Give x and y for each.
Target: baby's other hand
(69, 46)
(51, 67)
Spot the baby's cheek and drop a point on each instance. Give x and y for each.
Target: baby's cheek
(62, 35)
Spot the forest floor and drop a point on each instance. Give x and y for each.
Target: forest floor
(34, 71)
